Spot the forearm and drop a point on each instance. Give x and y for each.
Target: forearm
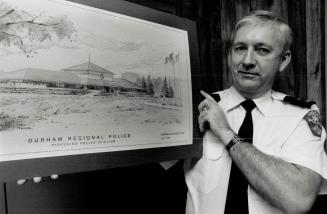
(282, 184)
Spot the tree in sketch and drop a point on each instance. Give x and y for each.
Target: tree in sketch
(26, 32)
(22, 32)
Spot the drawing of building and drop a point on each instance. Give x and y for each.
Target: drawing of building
(130, 76)
(123, 86)
(82, 76)
(91, 75)
(33, 77)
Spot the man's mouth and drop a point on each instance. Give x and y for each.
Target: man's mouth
(247, 73)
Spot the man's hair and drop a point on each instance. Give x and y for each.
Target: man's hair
(261, 17)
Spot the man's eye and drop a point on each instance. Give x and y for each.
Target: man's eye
(263, 51)
(239, 48)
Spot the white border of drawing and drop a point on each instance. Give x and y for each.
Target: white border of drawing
(23, 146)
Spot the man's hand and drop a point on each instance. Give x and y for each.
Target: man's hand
(213, 115)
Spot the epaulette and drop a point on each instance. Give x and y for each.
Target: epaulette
(216, 96)
(298, 101)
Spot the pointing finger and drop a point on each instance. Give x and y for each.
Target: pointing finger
(207, 96)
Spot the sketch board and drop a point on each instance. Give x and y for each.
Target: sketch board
(98, 80)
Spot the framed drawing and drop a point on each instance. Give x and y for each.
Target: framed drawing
(88, 85)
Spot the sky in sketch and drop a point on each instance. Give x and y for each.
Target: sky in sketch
(115, 42)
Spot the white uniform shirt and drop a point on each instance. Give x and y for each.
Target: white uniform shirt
(279, 130)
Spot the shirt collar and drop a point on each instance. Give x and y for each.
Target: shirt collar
(264, 103)
(234, 99)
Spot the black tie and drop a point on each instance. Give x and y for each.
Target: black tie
(237, 200)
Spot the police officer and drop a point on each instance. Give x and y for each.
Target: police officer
(272, 143)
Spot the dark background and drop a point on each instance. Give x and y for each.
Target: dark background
(149, 188)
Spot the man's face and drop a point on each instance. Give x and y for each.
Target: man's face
(255, 60)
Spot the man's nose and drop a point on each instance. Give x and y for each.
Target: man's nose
(249, 60)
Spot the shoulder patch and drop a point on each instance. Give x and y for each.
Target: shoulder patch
(298, 102)
(216, 96)
(314, 122)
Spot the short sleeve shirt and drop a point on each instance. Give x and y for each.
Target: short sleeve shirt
(279, 130)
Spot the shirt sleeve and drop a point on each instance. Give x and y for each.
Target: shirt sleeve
(304, 148)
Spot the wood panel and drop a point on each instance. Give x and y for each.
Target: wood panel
(214, 44)
(209, 42)
(261, 4)
(228, 21)
(324, 9)
(313, 41)
(296, 14)
(168, 6)
(280, 8)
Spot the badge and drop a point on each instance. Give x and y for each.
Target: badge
(313, 120)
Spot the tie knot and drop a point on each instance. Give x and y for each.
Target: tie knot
(248, 105)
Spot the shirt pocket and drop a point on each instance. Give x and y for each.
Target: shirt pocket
(212, 148)
(205, 176)
(206, 173)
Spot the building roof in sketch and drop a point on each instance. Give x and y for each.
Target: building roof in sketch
(130, 76)
(121, 83)
(41, 75)
(88, 66)
(49, 76)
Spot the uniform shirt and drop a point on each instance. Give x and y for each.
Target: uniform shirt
(279, 130)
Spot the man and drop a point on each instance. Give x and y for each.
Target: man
(272, 142)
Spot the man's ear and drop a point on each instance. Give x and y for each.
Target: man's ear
(286, 58)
